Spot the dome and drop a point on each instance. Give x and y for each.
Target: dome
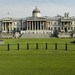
(36, 10)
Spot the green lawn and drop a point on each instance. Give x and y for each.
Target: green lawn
(41, 44)
(23, 41)
(37, 62)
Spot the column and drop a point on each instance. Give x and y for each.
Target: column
(9, 27)
(43, 25)
(27, 25)
(64, 26)
(12, 25)
(40, 25)
(35, 25)
(32, 25)
(5, 27)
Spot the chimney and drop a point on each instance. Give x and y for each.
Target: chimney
(66, 15)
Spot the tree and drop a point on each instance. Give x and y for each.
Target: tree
(18, 30)
(72, 32)
(55, 33)
(14, 31)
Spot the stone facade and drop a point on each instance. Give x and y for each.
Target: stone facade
(39, 24)
(8, 24)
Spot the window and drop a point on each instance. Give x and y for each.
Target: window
(14, 23)
(49, 23)
(74, 28)
(58, 23)
(59, 28)
(41, 22)
(55, 23)
(68, 28)
(71, 28)
(54, 28)
(51, 28)
(62, 28)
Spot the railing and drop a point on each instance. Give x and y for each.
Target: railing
(38, 46)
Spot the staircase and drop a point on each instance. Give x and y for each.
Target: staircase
(6, 35)
(64, 35)
(32, 35)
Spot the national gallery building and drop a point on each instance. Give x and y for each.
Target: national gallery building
(39, 24)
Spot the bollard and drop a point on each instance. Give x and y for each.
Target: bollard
(27, 46)
(36, 45)
(55, 46)
(46, 46)
(66, 46)
(18, 46)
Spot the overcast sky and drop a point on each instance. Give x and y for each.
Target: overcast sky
(24, 8)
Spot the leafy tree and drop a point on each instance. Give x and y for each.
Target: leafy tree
(55, 33)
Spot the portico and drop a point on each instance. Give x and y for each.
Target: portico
(6, 26)
(66, 26)
(35, 25)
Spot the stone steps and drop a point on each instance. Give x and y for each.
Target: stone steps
(64, 35)
(40, 35)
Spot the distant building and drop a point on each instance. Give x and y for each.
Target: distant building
(39, 24)
(8, 24)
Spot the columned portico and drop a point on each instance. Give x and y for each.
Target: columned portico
(35, 25)
(66, 26)
(36, 22)
(7, 26)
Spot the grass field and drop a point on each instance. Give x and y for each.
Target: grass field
(61, 43)
(37, 62)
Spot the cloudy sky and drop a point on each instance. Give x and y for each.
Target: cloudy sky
(24, 8)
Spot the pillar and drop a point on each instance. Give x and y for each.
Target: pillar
(40, 25)
(27, 25)
(35, 25)
(32, 25)
(12, 25)
(9, 27)
(5, 27)
(43, 25)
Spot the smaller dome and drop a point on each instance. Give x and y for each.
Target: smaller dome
(36, 10)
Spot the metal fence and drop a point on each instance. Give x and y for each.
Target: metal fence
(38, 46)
